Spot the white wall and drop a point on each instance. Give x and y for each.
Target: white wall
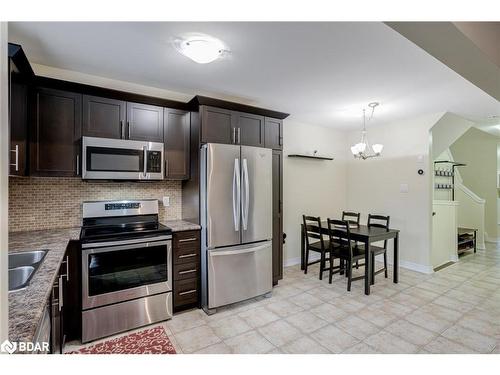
(478, 150)
(373, 186)
(447, 130)
(4, 183)
(88, 79)
(311, 187)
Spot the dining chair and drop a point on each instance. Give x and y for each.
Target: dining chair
(315, 242)
(341, 247)
(379, 221)
(353, 218)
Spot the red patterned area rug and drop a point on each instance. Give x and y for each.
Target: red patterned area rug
(149, 341)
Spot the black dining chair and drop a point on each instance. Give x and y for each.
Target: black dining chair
(315, 242)
(341, 247)
(353, 218)
(379, 221)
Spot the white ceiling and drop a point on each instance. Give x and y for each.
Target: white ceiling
(321, 73)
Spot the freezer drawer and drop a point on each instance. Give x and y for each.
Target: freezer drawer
(239, 273)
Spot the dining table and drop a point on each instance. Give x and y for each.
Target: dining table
(365, 235)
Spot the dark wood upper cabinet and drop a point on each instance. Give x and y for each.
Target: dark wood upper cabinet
(177, 139)
(250, 130)
(20, 78)
(274, 133)
(55, 133)
(103, 117)
(277, 216)
(218, 125)
(144, 122)
(18, 120)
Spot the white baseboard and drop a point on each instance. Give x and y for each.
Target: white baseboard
(402, 263)
(490, 239)
(294, 261)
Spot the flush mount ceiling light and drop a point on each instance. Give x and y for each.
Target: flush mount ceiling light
(363, 150)
(201, 48)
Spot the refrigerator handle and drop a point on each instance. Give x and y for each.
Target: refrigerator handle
(246, 195)
(236, 194)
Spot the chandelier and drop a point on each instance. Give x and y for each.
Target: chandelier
(363, 150)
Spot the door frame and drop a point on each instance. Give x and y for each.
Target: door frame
(4, 183)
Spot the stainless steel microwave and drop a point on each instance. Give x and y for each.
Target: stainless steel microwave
(120, 159)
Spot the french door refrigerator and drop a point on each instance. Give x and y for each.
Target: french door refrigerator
(236, 216)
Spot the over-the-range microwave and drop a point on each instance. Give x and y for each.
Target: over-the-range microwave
(121, 159)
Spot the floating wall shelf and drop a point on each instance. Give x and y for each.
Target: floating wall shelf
(309, 157)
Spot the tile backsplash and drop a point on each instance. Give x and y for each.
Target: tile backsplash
(55, 202)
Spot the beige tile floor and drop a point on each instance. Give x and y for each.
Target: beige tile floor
(455, 310)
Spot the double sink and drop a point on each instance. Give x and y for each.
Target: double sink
(22, 267)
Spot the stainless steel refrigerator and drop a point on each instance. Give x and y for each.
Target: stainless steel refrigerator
(236, 216)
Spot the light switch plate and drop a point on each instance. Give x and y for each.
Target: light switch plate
(166, 201)
(403, 188)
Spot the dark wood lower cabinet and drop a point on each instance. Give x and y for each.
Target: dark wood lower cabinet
(186, 270)
(65, 300)
(277, 216)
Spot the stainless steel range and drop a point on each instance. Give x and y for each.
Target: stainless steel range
(126, 267)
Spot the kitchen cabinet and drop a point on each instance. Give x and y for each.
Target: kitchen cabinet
(55, 133)
(273, 133)
(277, 216)
(177, 139)
(64, 309)
(103, 117)
(250, 130)
(118, 119)
(186, 269)
(20, 77)
(18, 120)
(226, 126)
(218, 125)
(144, 122)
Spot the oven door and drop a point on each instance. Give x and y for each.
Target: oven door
(119, 159)
(124, 272)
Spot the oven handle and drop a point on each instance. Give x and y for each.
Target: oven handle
(125, 247)
(125, 242)
(145, 157)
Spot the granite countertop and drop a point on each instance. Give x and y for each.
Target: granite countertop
(26, 306)
(181, 225)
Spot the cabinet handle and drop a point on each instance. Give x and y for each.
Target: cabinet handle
(187, 292)
(280, 142)
(234, 135)
(16, 163)
(239, 135)
(61, 295)
(188, 271)
(122, 134)
(187, 256)
(128, 129)
(67, 267)
(77, 165)
(188, 239)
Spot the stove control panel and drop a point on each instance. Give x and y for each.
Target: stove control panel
(122, 206)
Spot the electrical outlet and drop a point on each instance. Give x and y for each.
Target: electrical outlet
(166, 201)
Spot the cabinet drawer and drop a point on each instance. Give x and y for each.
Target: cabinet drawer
(185, 291)
(186, 255)
(186, 271)
(188, 239)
